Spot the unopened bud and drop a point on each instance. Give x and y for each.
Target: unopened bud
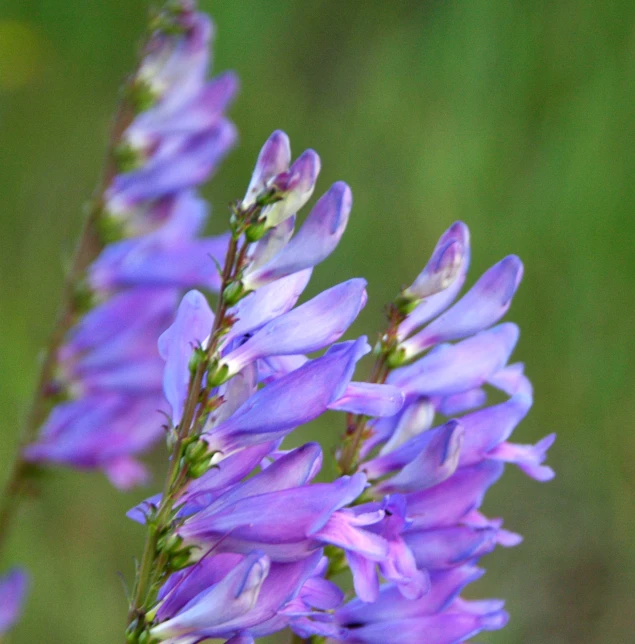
(440, 272)
(295, 187)
(199, 355)
(274, 158)
(131, 632)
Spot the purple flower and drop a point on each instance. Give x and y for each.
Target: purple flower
(441, 616)
(192, 326)
(232, 521)
(435, 478)
(258, 572)
(242, 597)
(456, 237)
(314, 242)
(292, 400)
(293, 183)
(109, 365)
(307, 328)
(13, 589)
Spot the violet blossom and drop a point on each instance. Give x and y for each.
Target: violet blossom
(109, 369)
(13, 589)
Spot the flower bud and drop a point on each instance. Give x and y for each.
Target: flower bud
(294, 187)
(274, 158)
(198, 355)
(440, 272)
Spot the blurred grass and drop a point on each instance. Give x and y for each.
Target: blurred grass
(516, 117)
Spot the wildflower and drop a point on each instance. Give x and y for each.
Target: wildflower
(109, 369)
(434, 478)
(440, 616)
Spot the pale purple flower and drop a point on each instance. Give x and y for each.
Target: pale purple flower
(13, 589)
(435, 478)
(315, 241)
(438, 617)
(109, 366)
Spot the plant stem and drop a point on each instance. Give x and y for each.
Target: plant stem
(357, 427)
(88, 247)
(176, 476)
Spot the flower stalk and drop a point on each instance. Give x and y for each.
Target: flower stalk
(357, 424)
(88, 247)
(156, 562)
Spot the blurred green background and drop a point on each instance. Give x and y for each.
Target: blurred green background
(516, 117)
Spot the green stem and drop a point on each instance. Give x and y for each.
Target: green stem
(150, 573)
(357, 428)
(88, 247)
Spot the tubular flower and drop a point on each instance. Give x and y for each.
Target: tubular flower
(438, 617)
(434, 479)
(253, 572)
(109, 369)
(244, 539)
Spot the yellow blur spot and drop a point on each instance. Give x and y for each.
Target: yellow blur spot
(20, 54)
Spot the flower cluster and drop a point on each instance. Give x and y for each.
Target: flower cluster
(258, 538)
(246, 538)
(431, 480)
(259, 566)
(108, 369)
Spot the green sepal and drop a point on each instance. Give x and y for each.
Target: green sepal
(144, 638)
(195, 451)
(256, 231)
(233, 293)
(131, 632)
(127, 157)
(110, 229)
(270, 196)
(169, 543)
(181, 559)
(396, 358)
(141, 96)
(337, 560)
(198, 356)
(84, 298)
(196, 470)
(218, 376)
(406, 304)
